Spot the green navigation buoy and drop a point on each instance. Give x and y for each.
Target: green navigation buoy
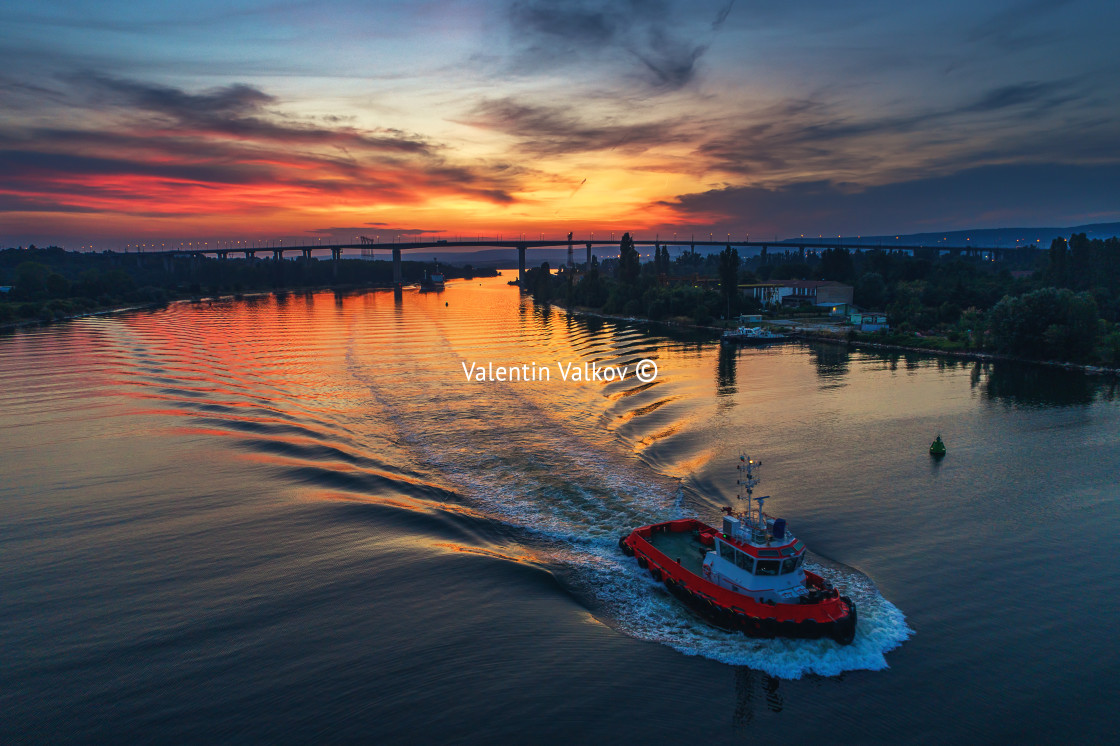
(937, 447)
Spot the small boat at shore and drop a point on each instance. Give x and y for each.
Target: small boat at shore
(751, 335)
(747, 577)
(433, 281)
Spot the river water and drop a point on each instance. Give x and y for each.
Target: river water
(294, 518)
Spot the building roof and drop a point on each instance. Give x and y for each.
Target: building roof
(812, 284)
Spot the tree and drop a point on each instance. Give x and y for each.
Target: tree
(31, 280)
(1048, 323)
(1059, 262)
(871, 291)
(629, 265)
(661, 260)
(836, 264)
(729, 275)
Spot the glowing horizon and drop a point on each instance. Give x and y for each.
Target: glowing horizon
(128, 122)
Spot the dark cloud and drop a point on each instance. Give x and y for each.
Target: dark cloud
(383, 229)
(989, 196)
(238, 111)
(1008, 28)
(721, 17)
(553, 130)
(803, 134)
(22, 165)
(232, 100)
(582, 24)
(222, 140)
(649, 33)
(1021, 94)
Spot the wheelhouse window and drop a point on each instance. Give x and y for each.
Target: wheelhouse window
(768, 567)
(726, 551)
(745, 561)
(789, 564)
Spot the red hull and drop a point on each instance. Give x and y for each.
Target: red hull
(833, 615)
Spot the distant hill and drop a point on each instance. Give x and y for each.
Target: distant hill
(995, 237)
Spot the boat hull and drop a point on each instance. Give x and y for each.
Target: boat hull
(748, 340)
(831, 615)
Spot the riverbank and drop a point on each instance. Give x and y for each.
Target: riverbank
(40, 321)
(23, 323)
(840, 337)
(1096, 370)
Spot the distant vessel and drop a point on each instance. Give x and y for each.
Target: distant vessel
(748, 577)
(433, 281)
(751, 335)
(937, 448)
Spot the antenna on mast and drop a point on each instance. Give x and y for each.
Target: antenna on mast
(748, 481)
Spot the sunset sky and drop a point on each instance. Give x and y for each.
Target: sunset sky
(140, 121)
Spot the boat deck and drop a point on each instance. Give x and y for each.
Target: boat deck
(684, 546)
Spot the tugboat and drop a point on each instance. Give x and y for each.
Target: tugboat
(747, 577)
(433, 281)
(937, 447)
(751, 335)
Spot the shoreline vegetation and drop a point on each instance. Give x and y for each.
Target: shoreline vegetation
(52, 284)
(1057, 307)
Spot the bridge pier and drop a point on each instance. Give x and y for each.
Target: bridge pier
(277, 254)
(250, 255)
(306, 255)
(588, 255)
(336, 254)
(571, 262)
(521, 266)
(397, 267)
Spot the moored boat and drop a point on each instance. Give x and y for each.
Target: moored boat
(432, 281)
(752, 335)
(748, 576)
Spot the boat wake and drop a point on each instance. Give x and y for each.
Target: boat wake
(561, 485)
(637, 605)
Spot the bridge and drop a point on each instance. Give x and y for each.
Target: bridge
(367, 246)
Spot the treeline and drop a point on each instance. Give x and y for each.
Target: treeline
(1060, 304)
(1064, 304)
(629, 287)
(47, 284)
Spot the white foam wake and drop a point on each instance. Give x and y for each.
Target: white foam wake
(644, 609)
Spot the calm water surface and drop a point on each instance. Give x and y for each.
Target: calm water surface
(293, 518)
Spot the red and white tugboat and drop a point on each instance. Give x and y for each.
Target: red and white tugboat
(748, 576)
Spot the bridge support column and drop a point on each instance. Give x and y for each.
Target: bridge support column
(397, 267)
(250, 255)
(277, 255)
(336, 254)
(306, 254)
(589, 255)
(571, 261)
(521, 266)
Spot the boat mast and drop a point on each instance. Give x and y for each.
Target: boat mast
(747, 482)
